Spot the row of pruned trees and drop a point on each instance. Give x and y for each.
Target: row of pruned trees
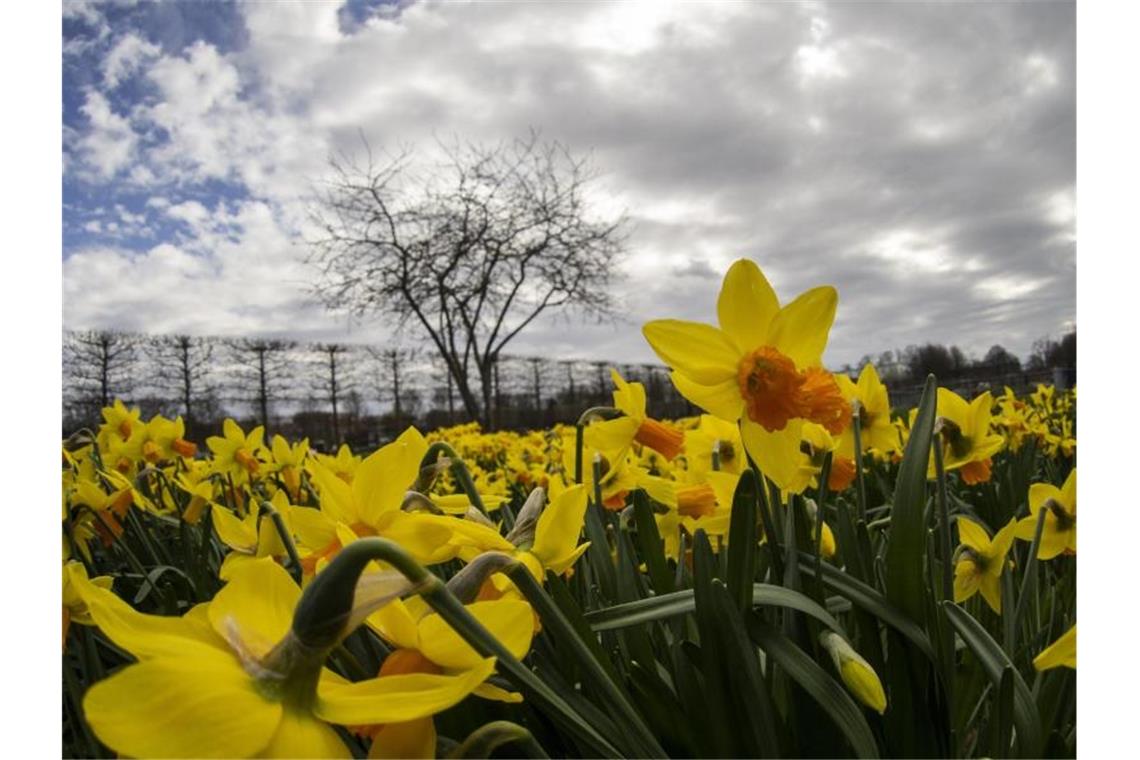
(329, 392)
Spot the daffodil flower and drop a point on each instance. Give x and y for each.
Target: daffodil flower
(1062, 652)
(713, 437)
(963, 432)
(289, 462)
(761, 366)
(237, 454)
(1059, 534)
(370, 505)
(869, 400)
(212, 683)
(980, 562)
(636, 425)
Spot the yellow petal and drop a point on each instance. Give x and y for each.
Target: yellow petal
(383, 478)
(966, 579)
(198, 704)
(954, 408)
(300, 735)
(800, 329)
(256, 605)
(628, 397)
(559, 525)
(397, 699)
(1063, 651)
(990, 586)
(746, 305)
(722, 400)
(702, 352)
(972, 535)
(337, 500)
(777, 454)
(144, 636)
(1069, 492)
(487, 690)
(313, 527)
(611, 435)
(411, 739)
(1000, 546)
(509, 620)
(396, 624)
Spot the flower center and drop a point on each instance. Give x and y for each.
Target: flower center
(1064, 520)
(661, 438)
(775, 392)
(696, 501)
(184, 448)
(246, 460)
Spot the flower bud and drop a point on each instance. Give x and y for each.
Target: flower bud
(859, 677)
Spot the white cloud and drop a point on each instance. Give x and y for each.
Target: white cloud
(919, 147)
(129, 54)
(109, 143)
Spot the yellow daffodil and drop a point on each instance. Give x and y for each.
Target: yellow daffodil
(714, 436)
(289, 463)
(868, 398)
(1062, 652)
(371, 504)
(636, 425)
(1059, 534)
(979, 562)
(237, 454)
(212, 683)
(963, 432)
(761, 366)
(343, 465)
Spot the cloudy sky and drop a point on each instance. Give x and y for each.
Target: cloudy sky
(919, 157)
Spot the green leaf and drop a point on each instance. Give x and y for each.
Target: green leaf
(866, 598)
(905, 578)
(742, 540)
(994, 662)
(749, 700)
(650, 543)
(830, 695)
(683, 602)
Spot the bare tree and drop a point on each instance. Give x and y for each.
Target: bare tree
(469, 252)
(182, 368)
(264, 371)
(395, 374)
(98, 368)
(335, 381)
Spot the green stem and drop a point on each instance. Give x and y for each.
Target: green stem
(944, 523)
(822, 492)
(588, 416)
(485, 740)
(267, 508)
(860, 483)
(458, 470)
(327, 601)
(770, 535)
(1028, 585)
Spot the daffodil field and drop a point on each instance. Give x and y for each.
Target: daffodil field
(802, 570)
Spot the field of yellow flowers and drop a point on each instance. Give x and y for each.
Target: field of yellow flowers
(801, 571)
